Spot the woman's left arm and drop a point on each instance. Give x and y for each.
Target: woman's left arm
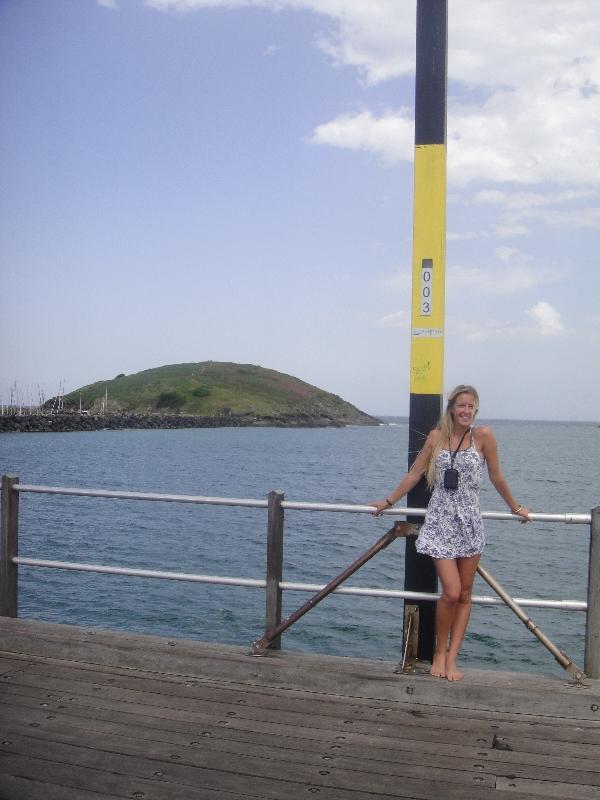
(489, 450)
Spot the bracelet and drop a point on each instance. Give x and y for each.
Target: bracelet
(388, 502)
(516, 511)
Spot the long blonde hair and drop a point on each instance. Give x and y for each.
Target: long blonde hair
(445, 427)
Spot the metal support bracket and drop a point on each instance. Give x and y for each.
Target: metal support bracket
(406, 529)
(564, 661)
(260, 647)
(411, 639)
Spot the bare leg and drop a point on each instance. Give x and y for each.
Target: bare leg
(466, 569)
(447, 571)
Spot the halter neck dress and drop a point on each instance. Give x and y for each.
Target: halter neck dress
(453, 526)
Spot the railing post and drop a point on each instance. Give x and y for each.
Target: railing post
(591, 665)
(9, 547)
(274, 564)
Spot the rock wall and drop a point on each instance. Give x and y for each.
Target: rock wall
(60, 423)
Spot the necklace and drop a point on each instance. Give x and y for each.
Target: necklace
(459, 439)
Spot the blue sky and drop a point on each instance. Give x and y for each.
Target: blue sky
(185, 180)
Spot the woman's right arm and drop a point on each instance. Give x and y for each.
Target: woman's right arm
(412, 477)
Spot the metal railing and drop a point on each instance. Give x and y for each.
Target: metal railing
(276, 505)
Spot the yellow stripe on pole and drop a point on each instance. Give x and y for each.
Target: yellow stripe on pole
(428, 270)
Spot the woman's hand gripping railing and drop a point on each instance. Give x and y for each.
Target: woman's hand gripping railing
(260, 646)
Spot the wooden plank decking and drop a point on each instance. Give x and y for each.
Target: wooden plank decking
(93, 714)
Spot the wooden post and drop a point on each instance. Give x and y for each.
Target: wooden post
(9, 547)
(591, 664)
(274, 565)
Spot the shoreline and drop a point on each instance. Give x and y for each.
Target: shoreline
(73, 422)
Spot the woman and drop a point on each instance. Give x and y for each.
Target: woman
(452, 533)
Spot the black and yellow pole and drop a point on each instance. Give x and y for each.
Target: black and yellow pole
(428, 279)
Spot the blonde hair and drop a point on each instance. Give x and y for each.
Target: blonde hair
(445, 427)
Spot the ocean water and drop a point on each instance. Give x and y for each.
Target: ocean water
(550, 466)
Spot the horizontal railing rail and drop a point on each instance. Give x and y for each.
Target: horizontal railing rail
(10, 561)
(257, 583)
(345, 508)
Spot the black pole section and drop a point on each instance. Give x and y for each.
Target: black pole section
(428, 280)
(419, 571)
(431, 72)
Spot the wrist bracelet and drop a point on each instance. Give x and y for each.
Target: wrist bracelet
(516, 511)
(389, 503)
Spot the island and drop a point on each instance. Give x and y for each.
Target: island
(206, 394)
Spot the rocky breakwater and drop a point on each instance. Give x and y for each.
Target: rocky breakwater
(72, 422)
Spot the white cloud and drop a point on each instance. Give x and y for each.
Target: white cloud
(107, 3)
(523, 105)
(571, 218)
(490, 43)
(509, 230)
(466, 236)
(519, 137)
(486, 330)
(547, 319)
(377, 37)
(399, 281)
(504, 280)
(507, 253)
(525, 201)
(398, 319)
(492, 196)
(520, 206)
(532, 71)
(490, 281)
(390, 136)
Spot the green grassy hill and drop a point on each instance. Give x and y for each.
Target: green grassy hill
(213, 388)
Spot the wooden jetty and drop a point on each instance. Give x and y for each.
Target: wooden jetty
(95, 714)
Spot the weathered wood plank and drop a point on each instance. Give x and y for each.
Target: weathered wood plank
(220, 725)
(249, 759)
(125, 740)
(279, 723)
(88, 683)
(73, 783)
(512, 692)
(178, 695)
(216, 713)
(261, 777)
(18, 787)
(477, 762)
(77, 669)
(561, 791)
(12, 664)
(352, 746)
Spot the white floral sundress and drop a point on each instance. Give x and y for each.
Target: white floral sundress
(453, 526)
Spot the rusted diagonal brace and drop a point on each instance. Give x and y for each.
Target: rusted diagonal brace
(561, 657)
(259, 647)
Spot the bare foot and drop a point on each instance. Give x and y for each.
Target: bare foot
(438, 666)
(453, 673)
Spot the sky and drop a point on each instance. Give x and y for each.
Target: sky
(232, 180)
